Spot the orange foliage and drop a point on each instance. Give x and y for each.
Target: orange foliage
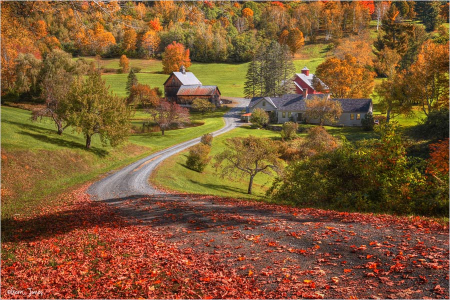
(439, 157)
(144, 95)
(155, 24)
(150, 42)
(247, 12)
(174, 57)
(369, 5)
(124, 63)
(129, 40)
(40, 28)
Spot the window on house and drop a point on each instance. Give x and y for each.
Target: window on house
(358, 116)
(284, 115)
(352, 116)
(264, 103)
(289, 114)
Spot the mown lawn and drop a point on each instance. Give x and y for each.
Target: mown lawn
(174, 175)
(229, 77)
(37, 163)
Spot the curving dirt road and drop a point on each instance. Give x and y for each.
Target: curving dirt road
(133, 179)
(281, 252)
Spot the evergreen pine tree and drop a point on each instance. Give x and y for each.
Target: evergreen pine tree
(428, 13)
(131, 80)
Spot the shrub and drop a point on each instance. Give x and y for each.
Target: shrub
(207, 139)
(289, 130)
(372, 175)
(136, 69)
(203, 105)
(434, 126)
(259, 118)
(368, 122)
(198, 158)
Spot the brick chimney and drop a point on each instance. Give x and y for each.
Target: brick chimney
(183, 69)
(305, 71)
(305, 93)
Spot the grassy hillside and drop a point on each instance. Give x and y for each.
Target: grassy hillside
(228, 77)
(173, 173)
(37, 163)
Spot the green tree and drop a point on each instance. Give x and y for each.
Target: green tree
(270, 72)
(57, 74)
(392, 95)
(289, 130)
(207, 139)
(248, 156)
(429, 13)
(259, 118)
(198, 157)
(91, 109)
(27, 69)
(131, 80)
(203, 105)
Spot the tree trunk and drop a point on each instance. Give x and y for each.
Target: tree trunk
(162, 131)
(250, 184)
(88, 141)
(388, 115)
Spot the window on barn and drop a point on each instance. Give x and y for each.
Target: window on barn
(352, 116)
(358, 116)
(264, 103)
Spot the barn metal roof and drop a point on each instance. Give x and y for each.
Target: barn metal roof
(188, 78)
(309, 79)
(197, 90)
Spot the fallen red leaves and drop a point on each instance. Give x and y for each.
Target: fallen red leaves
(238, 249)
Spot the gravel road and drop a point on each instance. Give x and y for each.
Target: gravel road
(133, 179)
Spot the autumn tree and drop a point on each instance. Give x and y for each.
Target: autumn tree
(323, 109)
(317, 141)
(169, 113)
(124, 63)
(150, 42)
(91, 109)
(27, 70)
(392, 95)
(131, 81)
(56, 76)
(357, 46)
(174, 57)
(428, 77)
(143, 95)
(346, 78)
(259, 118)
(129, 40)
(248, 156)
(203, 105)
(295, 40)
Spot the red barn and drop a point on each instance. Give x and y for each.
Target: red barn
(304, 83)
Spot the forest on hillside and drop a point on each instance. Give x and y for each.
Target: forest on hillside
(213, 31)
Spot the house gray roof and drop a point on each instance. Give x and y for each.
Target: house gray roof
(296, 102)
(355, 105)
(197, 90)
(187, 78)
(256, 100)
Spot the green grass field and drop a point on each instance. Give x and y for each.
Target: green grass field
(174, 175)
(230, 78)
(38, 164)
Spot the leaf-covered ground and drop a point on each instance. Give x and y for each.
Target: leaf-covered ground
(183, 246)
